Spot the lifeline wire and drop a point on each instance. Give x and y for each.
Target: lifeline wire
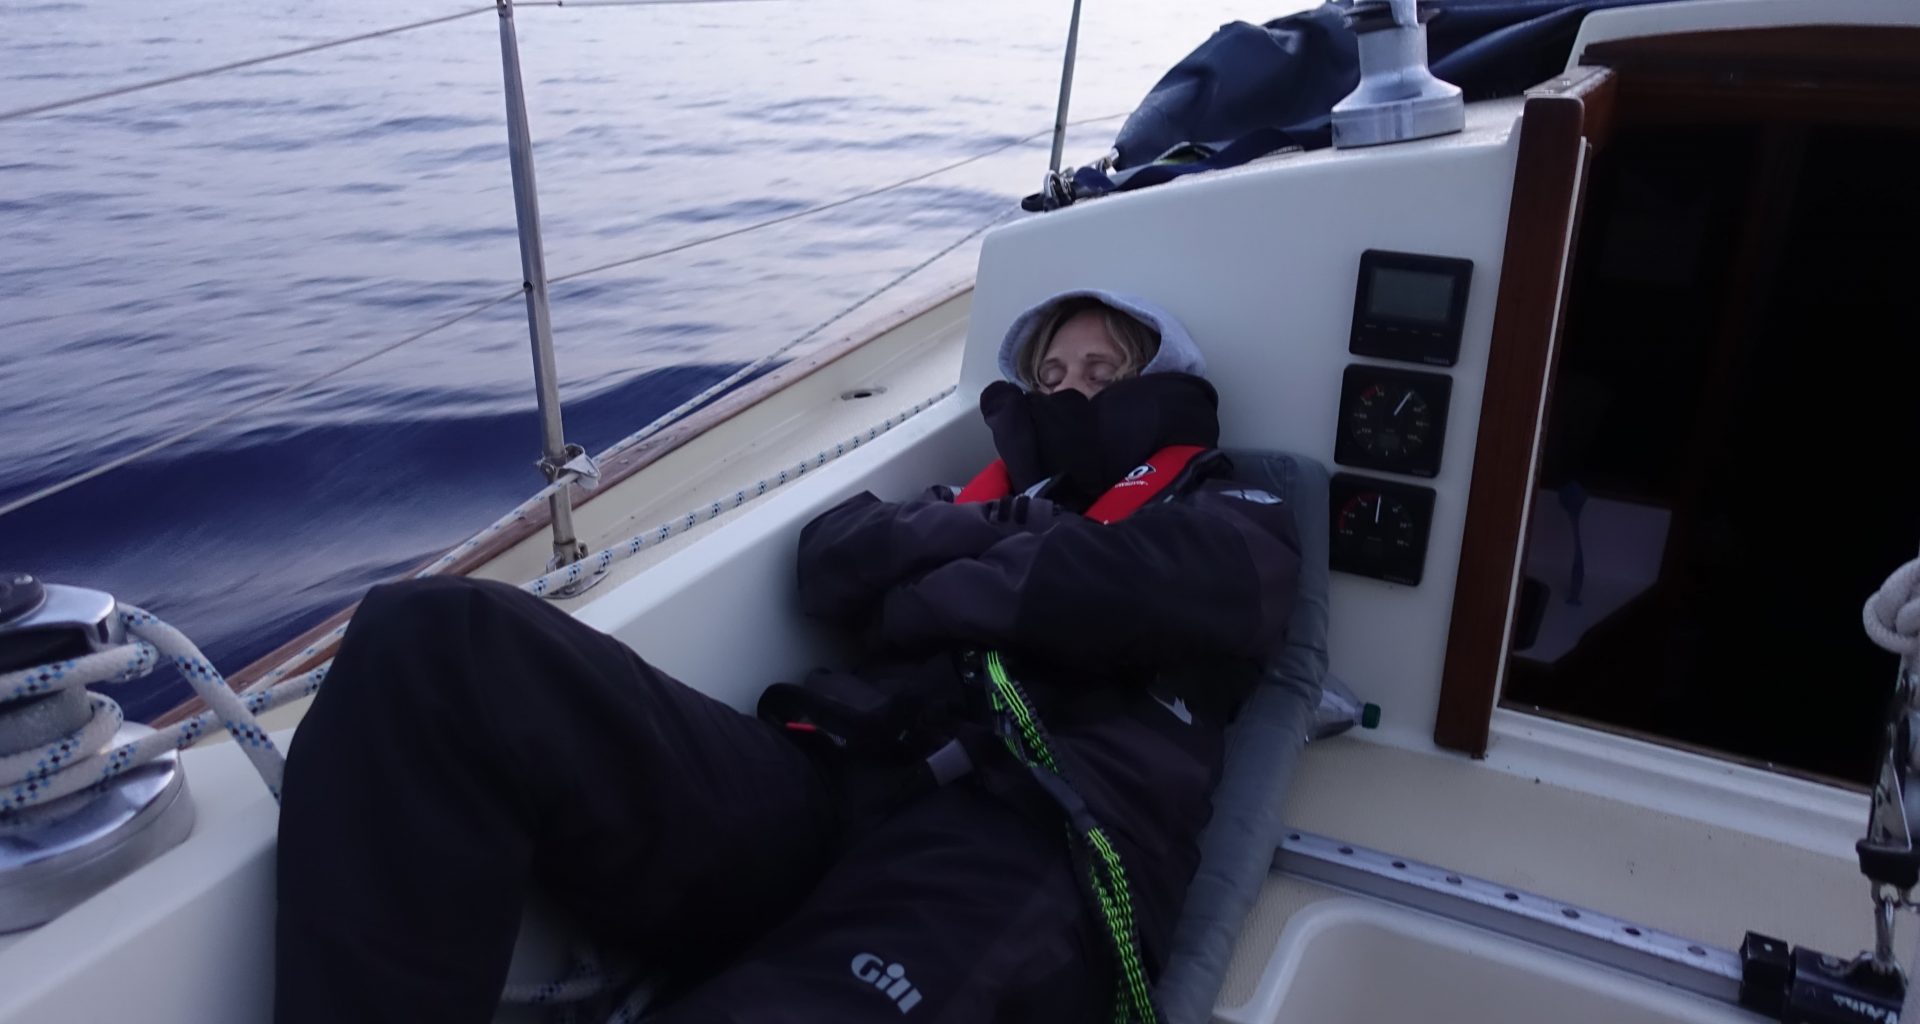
(184, 435)
(78, 760)
(667, 419)
(205, 425)
(187, 76)
(268, 681)
(565, 576)
(823, 207)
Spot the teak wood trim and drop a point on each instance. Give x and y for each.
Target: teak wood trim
(1831, 74)
(612, 472)
(1807, 74)
(1555, 126)
(1813, 55)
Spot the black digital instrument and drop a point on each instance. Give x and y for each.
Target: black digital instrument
(1395, 420)
(1410, 307)
(1380, 528)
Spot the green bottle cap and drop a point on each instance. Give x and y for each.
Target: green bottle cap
(1369, 716)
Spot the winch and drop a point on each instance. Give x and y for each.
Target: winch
(1398, 98)
(56, 854)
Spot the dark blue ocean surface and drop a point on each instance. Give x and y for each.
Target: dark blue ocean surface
(168, 255)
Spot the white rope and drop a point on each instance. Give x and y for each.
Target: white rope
(571, 989)
(1892, 614)
(1892, 621)
(586, 978)
(602, 560)
(81, 759)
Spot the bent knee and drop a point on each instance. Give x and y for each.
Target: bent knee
(402, 633)
(423, 610)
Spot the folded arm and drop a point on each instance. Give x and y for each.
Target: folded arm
(1209, 577)
(853, 553)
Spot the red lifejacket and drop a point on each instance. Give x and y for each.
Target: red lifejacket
(1143, 484)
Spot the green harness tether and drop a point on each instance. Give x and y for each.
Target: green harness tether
(1107, 877)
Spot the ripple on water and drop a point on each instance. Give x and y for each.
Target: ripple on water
(188, 248)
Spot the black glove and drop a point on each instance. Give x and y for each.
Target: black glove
(1042, 436)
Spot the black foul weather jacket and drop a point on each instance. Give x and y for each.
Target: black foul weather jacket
(1136, 639)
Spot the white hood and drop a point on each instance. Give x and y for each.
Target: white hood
(1178, 353)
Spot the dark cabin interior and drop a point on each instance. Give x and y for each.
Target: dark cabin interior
(1741, 353)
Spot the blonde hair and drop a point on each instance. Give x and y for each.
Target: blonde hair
(1138, 342)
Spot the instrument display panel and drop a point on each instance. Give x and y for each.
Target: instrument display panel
(1410, 307)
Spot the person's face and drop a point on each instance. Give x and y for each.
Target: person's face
(1081, 357)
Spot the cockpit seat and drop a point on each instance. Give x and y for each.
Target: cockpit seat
(1264, 743)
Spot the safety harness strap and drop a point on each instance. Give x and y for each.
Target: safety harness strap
(1106, 876)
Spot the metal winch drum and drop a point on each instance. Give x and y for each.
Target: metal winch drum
(1398, 98)
(52, 857)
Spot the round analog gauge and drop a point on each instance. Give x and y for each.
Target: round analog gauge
(1380, 528)
(1390, 421)
(1377, 526)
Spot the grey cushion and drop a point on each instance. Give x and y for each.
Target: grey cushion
(1236, 850)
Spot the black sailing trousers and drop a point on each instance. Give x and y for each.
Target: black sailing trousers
(473, 744)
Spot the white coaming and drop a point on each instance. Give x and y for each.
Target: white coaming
(1809, 816)
(721, 615)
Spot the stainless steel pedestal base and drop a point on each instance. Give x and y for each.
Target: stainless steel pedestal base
(54, 857)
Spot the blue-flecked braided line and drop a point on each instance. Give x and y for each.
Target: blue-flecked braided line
(81, 759)
(605, 559)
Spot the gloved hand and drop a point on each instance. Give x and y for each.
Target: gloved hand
(1040, 436)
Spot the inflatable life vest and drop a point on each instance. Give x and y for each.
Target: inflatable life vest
(1147, 481)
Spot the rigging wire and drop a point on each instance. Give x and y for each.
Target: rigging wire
(631, 3)
(202, 427)
(186, 76)
(571, 574)
(668, 418)
(821, 208)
